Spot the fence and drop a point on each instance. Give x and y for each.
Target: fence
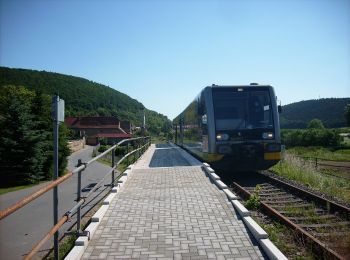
(322, 162)
(140, 144)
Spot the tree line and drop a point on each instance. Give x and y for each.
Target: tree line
(332, 111)
(315, 135)
(86, 98)
(26, 137)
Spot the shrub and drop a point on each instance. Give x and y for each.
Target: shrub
(311, 137)
(102, 148)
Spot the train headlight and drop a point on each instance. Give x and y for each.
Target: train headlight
(222, 137)
(268, 135)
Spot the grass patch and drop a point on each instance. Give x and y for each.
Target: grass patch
(304, 172)
(65, 246)
(321, 153)
(254, 200)
(121, 167)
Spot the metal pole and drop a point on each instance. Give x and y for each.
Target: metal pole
(78, 197)
(113, 164)
(55, 176)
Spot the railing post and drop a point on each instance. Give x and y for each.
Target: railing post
(127, 151)
(113, 164)
(55, 101)
(79, 197)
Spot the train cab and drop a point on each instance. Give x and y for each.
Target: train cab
(235, 127)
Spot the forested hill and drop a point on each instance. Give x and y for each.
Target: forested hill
(84, 97)
(331, 111)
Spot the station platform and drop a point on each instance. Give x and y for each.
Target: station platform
(169, 209)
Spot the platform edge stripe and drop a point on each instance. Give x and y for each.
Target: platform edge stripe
(271, 250)
(256, 230)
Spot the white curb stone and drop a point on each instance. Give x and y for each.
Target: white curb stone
(271, 250)
(109, 198)
(127, 172)
(82, 241)
(209, 170)
(242, 211)
(91, 228)
(229, 194)
(213, 176)
(206, 164)
(122, 179)
(256, 230)
(76, 253)
(99, 214)
(220, 184)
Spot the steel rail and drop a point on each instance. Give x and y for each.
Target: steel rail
(71, 212)
(317, 245)
(333, 206)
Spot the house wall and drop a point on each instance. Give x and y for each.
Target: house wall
(94, 131)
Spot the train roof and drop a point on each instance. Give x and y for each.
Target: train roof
(238, 86)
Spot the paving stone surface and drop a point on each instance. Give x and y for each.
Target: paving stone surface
(171, 213)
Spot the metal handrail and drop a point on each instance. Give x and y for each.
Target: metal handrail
(80, 200)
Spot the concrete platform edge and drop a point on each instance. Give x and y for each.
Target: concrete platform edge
(258, 232)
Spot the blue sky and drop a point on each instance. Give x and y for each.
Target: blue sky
(164, 52)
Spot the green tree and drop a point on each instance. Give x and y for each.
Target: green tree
(347, 114)
(21, 151)
(315, 124)
(26, 138)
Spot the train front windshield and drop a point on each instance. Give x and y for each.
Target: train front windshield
(242, 108)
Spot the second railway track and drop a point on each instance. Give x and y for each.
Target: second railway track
(323, 224)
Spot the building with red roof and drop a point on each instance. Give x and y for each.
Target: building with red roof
(94, 128)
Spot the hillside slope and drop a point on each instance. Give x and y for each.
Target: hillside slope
(329, 110)
(84, 97)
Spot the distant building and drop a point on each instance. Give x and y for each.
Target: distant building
(94, 128)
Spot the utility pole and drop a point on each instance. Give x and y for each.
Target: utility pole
(143, 127)
(58, 117)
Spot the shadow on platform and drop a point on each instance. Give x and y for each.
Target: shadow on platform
(167, 156)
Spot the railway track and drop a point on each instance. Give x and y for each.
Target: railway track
(322, 224)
